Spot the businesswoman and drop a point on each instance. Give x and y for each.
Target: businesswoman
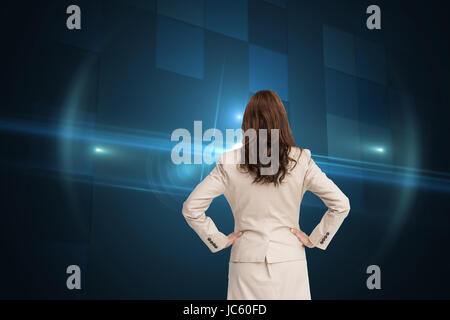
(267, 258)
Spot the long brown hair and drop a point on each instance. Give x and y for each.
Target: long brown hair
(265, 110)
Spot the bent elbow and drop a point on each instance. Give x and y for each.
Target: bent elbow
(189, 211)
(185, 211)
(345, 206)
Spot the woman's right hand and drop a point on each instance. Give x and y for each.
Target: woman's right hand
(233, 236)
(302, 237)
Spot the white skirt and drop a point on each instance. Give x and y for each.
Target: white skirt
(268, 281)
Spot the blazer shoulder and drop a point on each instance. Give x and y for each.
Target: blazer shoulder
(307, 153)
(298, 153)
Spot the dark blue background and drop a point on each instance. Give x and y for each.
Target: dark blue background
(86, 118)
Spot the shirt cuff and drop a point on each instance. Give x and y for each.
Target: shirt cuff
(320, 240)
(216, 242)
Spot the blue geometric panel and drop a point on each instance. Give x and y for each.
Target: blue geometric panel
(373, 103)
(344, 142)
(370, 61)
(128, 62)
(267, 25)
(50, 199)
(180, 47)
(339, 50)
(343, 137)
(400, 106)
(268, 70)
(404, 133)
(341, 94)
(143, 4)
(60, 76)
(376, 143)
(280, 3)
(229, 17)
(190, 11)
(226, 79)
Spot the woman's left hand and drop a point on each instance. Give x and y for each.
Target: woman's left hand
(233, 236)
(303, 238)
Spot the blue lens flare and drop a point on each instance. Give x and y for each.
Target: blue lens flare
(154, 143)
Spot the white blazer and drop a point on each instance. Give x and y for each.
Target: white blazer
(265, 213)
